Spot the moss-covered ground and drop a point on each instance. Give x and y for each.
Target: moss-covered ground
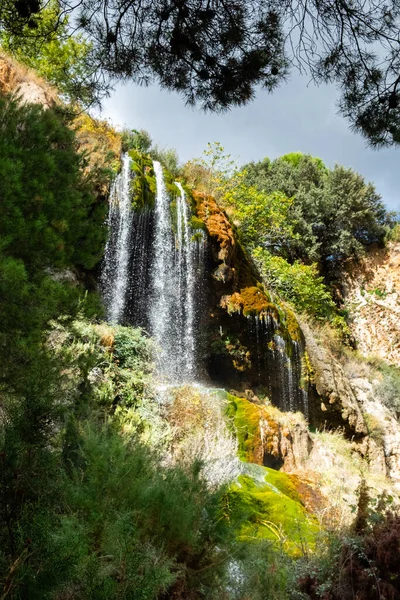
(265, 503)
(271, 509)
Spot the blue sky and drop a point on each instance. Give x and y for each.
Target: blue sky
(296, 117)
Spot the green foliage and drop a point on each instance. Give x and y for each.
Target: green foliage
(360, 564)
(262, 218)
(334, 214)
(297, 283)
(145, 528)
(136, 139)
(168, 157)
(49, 221)
(46, 201)
(197, 224)
(46, 45)
(111, 366)
(393, 234)
(214, 173)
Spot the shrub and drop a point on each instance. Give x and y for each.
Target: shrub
(297, 283)
(388, 389)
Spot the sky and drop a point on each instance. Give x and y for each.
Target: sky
(295, 118)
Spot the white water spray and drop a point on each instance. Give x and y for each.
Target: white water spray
(116, 261)
(172, 304)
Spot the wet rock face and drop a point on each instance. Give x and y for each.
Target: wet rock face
(251, 342)
(333, 402)
(268, 436)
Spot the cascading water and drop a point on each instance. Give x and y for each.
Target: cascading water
(153, 278)
(115, 274)
(187, 273)
(172, 304)
(279, 363)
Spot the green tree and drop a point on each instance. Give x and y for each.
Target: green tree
(217, 54)
(136, 139)
(334, 213)
(168, 157)
(49, 220)
(296, 283)
(46, 45)
(262, 218)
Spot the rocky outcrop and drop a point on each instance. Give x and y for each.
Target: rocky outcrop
(286, 441)
(372, 296)
(268, 436)
(17, 79)
(382, 446)
(252, 341)
(333, 402)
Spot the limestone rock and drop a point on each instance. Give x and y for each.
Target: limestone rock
(32, 93)
(17, 79)
(382, 447)
(372, 295)
(334, 404)
(286, 442)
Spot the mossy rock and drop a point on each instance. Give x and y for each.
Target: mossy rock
(144, 182)
(260, 509)
(292, 325)
(196, 224)
(144, 187)
(245, 421)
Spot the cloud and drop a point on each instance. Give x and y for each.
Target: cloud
(296, 117)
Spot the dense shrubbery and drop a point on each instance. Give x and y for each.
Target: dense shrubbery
(297, 283)
(88, 511)
(49, 221)
(360, 563)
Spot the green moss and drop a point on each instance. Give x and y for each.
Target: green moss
(292, 326)
(174, 215)
(307, 371)
(197, 237)
(245, 418)
(144, 186)
(284, 483)
(261, 510)
(196, 223)
(144, 183)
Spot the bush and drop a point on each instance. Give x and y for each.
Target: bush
(297, 283)
(388, 389)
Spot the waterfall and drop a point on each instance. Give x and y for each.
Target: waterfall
(115, 274)
(173, 276)
(186, 266)
(153, 277)
(279, 364)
